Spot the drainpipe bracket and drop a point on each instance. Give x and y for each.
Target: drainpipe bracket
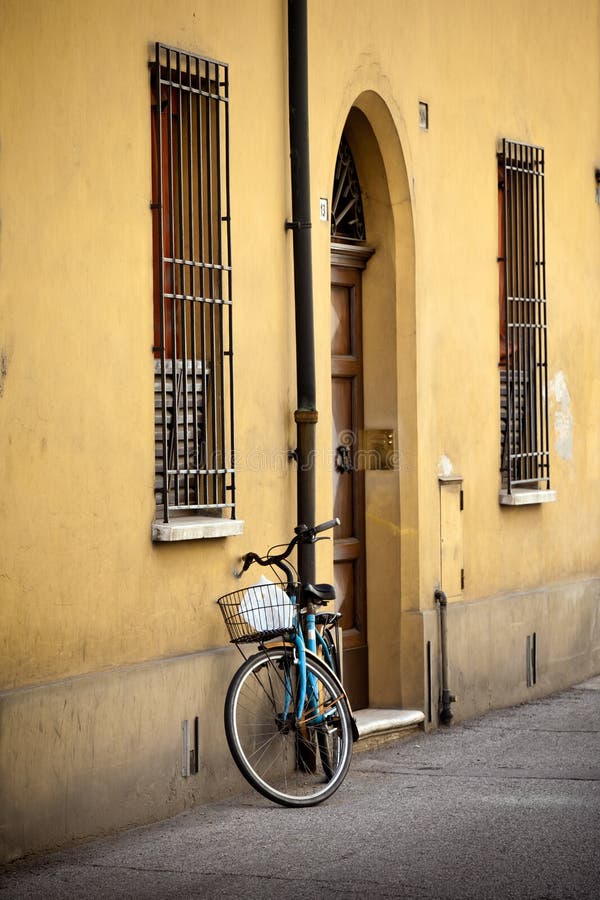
(297, 226)
(306, 416)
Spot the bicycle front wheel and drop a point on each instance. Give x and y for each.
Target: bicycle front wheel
(274, 743)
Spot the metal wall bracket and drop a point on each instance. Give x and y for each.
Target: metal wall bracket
(189, 748)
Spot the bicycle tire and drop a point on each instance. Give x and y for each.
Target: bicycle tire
(323, 744)
(267, 746)
(332, 650)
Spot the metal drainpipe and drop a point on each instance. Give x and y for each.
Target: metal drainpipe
(306, 415)
(447, 695)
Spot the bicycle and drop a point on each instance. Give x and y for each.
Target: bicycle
(288, 720)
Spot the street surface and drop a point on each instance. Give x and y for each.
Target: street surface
(500, 807)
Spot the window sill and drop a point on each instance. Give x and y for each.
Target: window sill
(193, 528)
(526, 497)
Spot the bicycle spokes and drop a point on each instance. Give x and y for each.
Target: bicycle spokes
(295, 756)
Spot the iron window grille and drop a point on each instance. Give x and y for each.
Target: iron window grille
(193, 348)
(525, 459)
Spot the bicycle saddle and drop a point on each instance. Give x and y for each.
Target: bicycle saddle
(319, 593)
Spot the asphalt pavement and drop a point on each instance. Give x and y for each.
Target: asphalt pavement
(503, 806)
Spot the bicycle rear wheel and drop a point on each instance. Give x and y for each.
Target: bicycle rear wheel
(329, 657)
(271, 740)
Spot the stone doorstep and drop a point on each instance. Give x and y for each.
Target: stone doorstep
(380, 726)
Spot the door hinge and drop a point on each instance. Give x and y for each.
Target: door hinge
(462, 499)
(462, 579)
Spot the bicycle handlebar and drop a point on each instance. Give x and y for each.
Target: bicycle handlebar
(304, 535)
(325, 526)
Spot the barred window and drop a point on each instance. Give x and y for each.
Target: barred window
(525, 461)
(193, 352)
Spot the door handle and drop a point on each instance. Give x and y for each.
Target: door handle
(343, 460)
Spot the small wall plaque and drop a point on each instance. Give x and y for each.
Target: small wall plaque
(378, 449)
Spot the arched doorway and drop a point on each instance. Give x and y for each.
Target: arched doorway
(349, 257)
(373, 387)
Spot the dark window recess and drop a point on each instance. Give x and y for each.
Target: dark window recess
(193, 352)
(525, 461)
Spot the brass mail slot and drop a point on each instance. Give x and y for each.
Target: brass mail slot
(378, 449)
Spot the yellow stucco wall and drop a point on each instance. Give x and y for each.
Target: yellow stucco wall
(486, 72)
(82, 587)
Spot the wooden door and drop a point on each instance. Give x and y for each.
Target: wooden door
(348, 479)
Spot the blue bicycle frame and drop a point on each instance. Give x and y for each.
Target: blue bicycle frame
(307, 686)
